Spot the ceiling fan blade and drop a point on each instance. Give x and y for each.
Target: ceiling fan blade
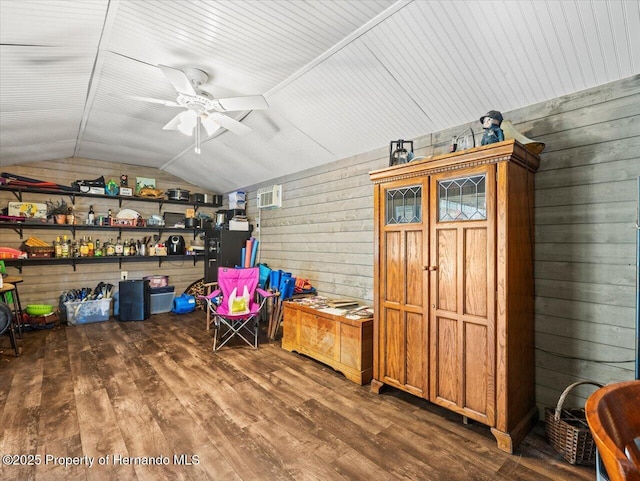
(230, 124)
(173, 123)
(249, 102)
(167, 103)
(178, 79)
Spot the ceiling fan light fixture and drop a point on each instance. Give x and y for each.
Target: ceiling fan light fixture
(185, 129)
(187, 122)
(210, 125)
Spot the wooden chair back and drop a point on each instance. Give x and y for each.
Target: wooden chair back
(613, 414)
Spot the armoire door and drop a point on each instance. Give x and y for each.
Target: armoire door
(462, 294)
(402, 333)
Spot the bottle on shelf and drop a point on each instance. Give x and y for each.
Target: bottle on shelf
(57, 247)
(118, 247)
(91, 216)
(132, 248)
(71, 216)
(125, 248)
(109, 217)
(64, 248)
(98, 249)
(83, 248)
(90, 248)
(111, 248)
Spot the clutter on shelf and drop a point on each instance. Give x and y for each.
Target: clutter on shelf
(11, 253)
(145, 188)
(348, 308)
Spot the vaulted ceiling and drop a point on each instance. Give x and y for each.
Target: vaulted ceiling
(341, 77)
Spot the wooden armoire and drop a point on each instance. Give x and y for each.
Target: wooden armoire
(454, 284)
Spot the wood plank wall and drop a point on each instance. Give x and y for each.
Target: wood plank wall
(584, 234)
(44, 284)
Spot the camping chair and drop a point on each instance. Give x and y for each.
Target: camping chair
(235, 306)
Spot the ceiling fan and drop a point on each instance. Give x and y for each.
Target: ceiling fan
(202, 109)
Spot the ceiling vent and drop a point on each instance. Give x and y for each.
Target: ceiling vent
(270, 197)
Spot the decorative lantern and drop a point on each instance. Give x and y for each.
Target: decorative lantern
(398, 154)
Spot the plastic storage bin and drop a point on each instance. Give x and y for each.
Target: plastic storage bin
(157, 281)
(88, 311)
(162, 299)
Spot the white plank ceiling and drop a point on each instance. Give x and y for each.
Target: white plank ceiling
(341, 77)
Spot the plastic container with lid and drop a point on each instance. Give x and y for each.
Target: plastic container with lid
(162, 299)
(157, 281)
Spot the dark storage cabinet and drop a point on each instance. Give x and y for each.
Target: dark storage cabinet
(135, 300)
(223, 248)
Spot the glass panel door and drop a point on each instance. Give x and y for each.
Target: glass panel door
(404, 205)
(463, 198)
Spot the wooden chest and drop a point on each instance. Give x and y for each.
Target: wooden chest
(344, 344)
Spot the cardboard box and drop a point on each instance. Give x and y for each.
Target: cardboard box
(115, 222)
(29, 210)
(241, 225)
(237, 200)
(157, 251)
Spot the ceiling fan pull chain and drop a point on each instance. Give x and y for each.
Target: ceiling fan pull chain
(198, 121)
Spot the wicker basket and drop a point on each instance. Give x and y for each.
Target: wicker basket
(568, 432)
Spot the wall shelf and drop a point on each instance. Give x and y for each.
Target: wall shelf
(74, 261)
(19, 227)
(18, 191)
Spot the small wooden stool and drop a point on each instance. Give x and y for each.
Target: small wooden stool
(4, 290)
(15, 280)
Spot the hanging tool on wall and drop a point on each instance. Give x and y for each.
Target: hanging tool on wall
(19, 180)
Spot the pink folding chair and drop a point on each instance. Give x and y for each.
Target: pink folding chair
(235, 306)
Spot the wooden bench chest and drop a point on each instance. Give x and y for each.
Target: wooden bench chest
(344, 344)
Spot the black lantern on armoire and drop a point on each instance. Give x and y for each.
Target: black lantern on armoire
(398, 154)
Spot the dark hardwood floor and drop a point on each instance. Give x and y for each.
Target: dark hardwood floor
(153, 391)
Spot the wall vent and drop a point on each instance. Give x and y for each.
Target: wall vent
(270, 197)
